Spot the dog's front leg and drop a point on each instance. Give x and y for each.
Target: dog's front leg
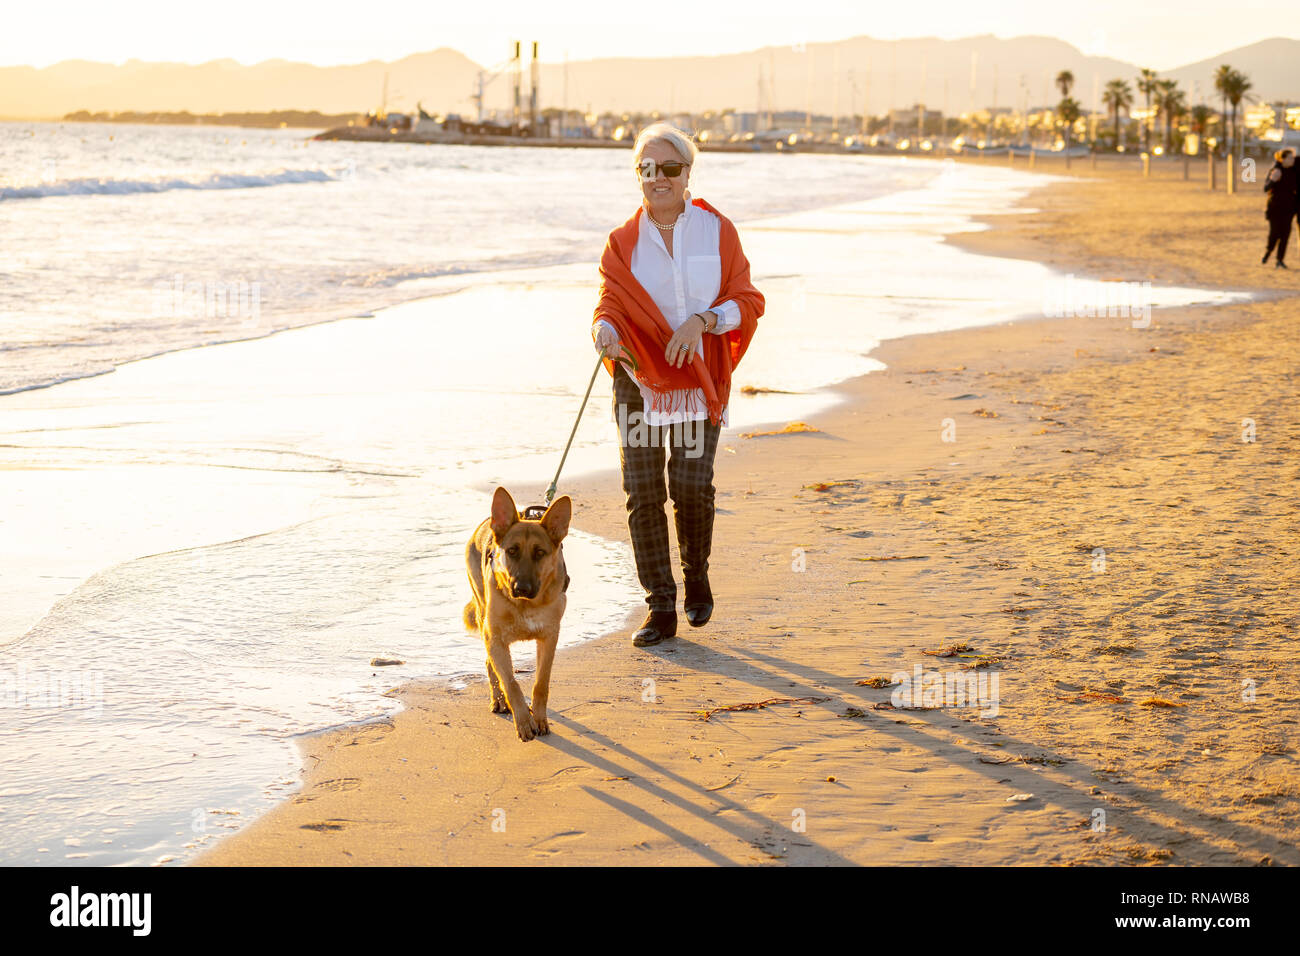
(499, 705)
(499, 657)
(542, 686)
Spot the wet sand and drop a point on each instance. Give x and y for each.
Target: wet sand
(1098, 535)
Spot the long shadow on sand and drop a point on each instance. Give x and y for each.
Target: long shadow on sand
(754, 829)
(965, 751)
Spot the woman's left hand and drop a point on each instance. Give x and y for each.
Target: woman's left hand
(688, 334)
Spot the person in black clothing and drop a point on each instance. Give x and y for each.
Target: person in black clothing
(1281, 186)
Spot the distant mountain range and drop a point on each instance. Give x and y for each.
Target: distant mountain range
(889, 73)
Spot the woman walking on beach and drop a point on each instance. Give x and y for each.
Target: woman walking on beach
(1281, 186)
(675, 292)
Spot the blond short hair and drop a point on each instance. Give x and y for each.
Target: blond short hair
(665, 133)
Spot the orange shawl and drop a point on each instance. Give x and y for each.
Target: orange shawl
(642, 328)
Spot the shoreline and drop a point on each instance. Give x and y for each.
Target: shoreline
(610, 783)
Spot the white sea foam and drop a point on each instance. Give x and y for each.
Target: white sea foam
(122, 187)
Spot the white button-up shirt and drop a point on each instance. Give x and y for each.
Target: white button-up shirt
(682, 283)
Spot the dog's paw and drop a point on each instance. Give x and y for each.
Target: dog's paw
(526, 726)
(500, 706)
(543, 727)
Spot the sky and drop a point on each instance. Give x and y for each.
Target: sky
(1161, 34)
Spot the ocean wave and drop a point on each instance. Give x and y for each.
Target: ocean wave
(566, 254)
(91, 186)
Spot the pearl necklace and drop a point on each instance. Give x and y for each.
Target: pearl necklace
(670, 227)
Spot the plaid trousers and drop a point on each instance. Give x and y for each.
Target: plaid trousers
(690, 483)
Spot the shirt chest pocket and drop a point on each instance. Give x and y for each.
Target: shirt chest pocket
(703, 279)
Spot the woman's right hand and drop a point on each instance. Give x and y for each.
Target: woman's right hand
(606, 341)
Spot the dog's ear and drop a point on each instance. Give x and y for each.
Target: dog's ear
(504, 513)
(556, 520)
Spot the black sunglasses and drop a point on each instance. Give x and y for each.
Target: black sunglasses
(647, 169)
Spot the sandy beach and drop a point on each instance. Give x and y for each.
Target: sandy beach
(1069, 500)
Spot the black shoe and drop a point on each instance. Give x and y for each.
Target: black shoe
(658, 626)
(698, 603)
(1264, 261)
(1280, 265)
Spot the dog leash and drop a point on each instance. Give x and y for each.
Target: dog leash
(534, 512)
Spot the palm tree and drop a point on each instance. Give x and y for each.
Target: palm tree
(1069, 111)
(1158, 96)
(1222, 79)
(1177, 110)
(1147, 85)
(1201, 117)
(1236, 89)
(1118, 96)
(1065, 80)
(1172, 104)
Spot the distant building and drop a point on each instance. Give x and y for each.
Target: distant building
(1275, 124)
(740, 123)
(906, 119)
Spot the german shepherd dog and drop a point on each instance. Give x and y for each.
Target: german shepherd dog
(516, 571)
